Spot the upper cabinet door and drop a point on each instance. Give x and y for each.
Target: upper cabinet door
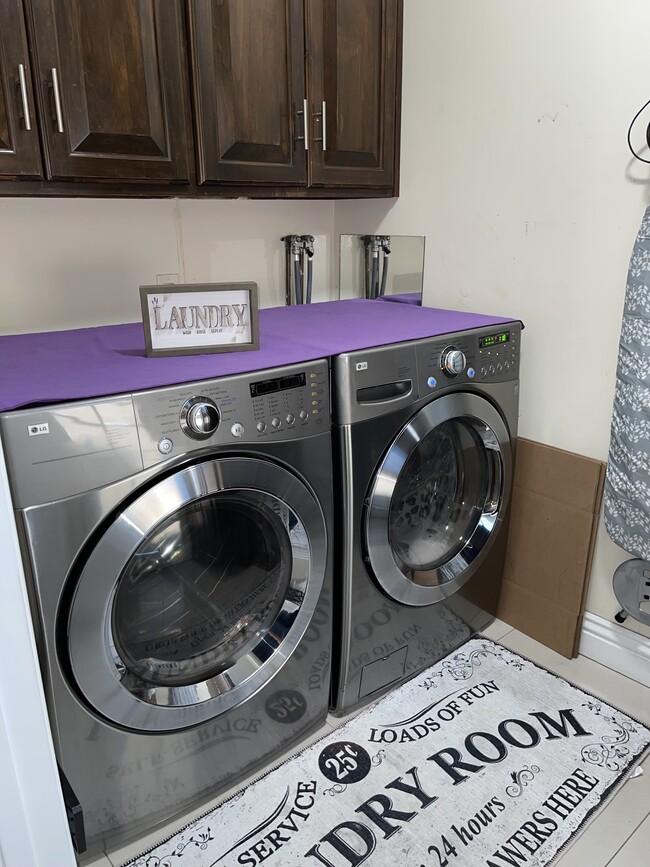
(20, 154)
(249, 87)
(353, 70)
(112, 87)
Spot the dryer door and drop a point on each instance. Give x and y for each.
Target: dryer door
(196, 594)
(437, 499)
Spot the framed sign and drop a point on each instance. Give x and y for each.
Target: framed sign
(193, 318)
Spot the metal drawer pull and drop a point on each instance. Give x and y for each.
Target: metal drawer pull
(23, 94)
(57, 99)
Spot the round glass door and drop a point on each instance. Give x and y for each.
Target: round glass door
(196, 594)
(202, 589)
(436, 499)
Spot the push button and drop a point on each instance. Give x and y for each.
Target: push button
(237, 430)
(165, 446)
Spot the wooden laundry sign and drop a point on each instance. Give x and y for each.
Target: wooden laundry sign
(197, 318)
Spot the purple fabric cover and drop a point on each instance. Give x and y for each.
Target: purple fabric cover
(53, 366)
(406, 298)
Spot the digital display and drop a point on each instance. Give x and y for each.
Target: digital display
(494, 339)
(269, 386)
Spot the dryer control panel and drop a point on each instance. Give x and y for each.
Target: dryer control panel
(65, 449)
(284, 403)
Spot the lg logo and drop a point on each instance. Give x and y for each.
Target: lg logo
(35, 430)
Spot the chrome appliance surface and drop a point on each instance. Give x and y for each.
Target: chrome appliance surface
(180, 584)
(424, 436)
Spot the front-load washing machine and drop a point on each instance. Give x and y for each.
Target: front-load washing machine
(176, 547)
(424, 439)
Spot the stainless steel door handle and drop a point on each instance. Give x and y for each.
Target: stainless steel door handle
(493, 502)
(57, 99)
(305, 123)
(23, 95)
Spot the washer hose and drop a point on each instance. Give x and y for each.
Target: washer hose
(297, 279)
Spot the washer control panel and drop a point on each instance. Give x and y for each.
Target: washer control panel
(498, 353)
(280, 404)
(480, 355)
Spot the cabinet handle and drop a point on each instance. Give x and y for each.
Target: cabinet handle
(57, 99)
(323, 116)
(23, 95)
(305, 125)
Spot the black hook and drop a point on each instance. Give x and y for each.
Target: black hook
(647, 133)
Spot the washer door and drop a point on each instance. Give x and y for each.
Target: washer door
(436, 500)
(196, 594)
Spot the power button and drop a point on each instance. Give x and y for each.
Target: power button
(165, 445)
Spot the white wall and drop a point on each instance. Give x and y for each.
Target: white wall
(515, 166)
(69, 263)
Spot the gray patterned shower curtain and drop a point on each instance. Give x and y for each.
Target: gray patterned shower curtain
(627, 485)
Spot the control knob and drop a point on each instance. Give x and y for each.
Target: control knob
(199, 417)
(452, 361)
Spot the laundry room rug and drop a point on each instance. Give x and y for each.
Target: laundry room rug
(484, 759)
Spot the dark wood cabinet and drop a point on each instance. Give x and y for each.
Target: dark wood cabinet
(296, 92)
(20, 154)
(267, 98)
(352, 69)
(248, 76)
(112, 89)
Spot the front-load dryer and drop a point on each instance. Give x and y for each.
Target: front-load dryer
(424, 439)
(176, 543)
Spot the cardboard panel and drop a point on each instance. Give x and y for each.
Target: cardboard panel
(555, 505)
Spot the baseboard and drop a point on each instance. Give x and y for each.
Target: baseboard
(617, 648)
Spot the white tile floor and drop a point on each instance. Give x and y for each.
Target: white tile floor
(619, 836)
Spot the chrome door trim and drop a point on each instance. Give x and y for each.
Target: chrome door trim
(450, 576)
(97, 668)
